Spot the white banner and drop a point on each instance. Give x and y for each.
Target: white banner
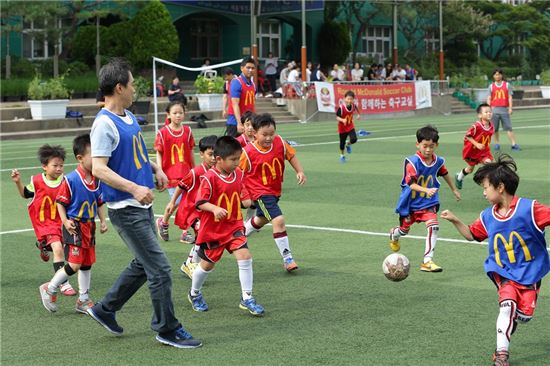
(325, 97)
(423, 92)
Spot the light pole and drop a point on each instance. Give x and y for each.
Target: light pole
(304, 49)
(441, 56)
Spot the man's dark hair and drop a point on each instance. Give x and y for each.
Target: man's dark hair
(428, 133)
(80, 144)
(47, 152)
(349, 93)
(503, 170)
(226, 146)
(481, 106)
(228, 71)
(116, 71)
(263, 120)
(207, 142)
(248, 60)
(248, 115)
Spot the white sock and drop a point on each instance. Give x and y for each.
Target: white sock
(396, 233)
(460, 175)
(199, 276)
(192, 255)
(249, 227)
(283, 244)
(505, 323)
(431, 239)
(246, 277)
(58, 278)
(84, 278)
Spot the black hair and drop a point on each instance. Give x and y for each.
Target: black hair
(482, 105)
(47, 152)
(226, 146)
(248, 60)
(228, 71)
(503, 170)
(207, 142)
(80, 144)
(175, 102)
(248, 115)
(349, 93)
(263, 120)
(499, 70)
(116, 71)
(428, 133)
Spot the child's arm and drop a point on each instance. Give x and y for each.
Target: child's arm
(171, 206)
(476, 144)
(219, 213)
(300, 176)
(159, 160)
(102, 219)
(68, 223)
(418, 188)
(16, 178)
(462, 228)
(451, 184)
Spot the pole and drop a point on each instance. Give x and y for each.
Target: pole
(304, 48)
(394, 58)
(155, 94)
(254, 38)
(441, 56)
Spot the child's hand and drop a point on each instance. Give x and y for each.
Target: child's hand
(103, 227)
(70, 226)
(219, 213)
(456, 192)
(479, 146)
(170, 207)
(15, 175)
(430, 192)
(448, 215)
(301, 177)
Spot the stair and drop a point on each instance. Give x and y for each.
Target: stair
(532, 99)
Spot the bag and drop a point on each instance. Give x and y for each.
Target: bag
(201, 120)
(141, 120)
(75, 114)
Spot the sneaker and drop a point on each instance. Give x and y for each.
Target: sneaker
(516, 147)
(458, 182)
(290, 265)
(188, 268)
(342, 159)
(187, 238)
(44, 255)
(394, 243)
(252, 307)
(83, 306)
(500, 358)
(179, 338)
(197, 302)
(48, 299)
(105, 318)
(67, 289)
(430, 267)
(348, 149)
(497, 147)
(162, 229)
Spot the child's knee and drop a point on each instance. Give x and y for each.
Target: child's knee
(353, 139)
(278, 224)
(74, 266)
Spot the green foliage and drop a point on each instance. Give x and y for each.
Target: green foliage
(77, 68)
(15, 87)
(82, 83)
(46, 66)
(205, 85)
(20, 67)
(53, 88)
(334, 43)
(84, 43)
(142, 88)
(545, 77)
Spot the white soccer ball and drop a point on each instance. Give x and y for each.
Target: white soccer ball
(396, 267)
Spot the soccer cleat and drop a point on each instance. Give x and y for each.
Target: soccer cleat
(497, 147)
(342, 159)
(48, 299)
(105, 318)
(162, 229)
(44, 255)
(430, 267)
(394, 243)
(252, 307)
(67, 289)
(188, 268)
(83, 306)
(348, 148)
(516, 147)
(290, 265)
(179, 338)
(500, 358)
(197, 302)
(458, 182)
(187, 238)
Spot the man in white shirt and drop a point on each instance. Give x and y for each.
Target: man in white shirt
(271, 70)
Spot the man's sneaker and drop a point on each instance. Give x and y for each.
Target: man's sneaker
(394, 243)
(516, 147)
(500, 358)
(187, 238)
(179, 338)
(497, 147)
(430, 267)
(458, 182)
(342, 159)
(252, 307)
(197, 302)
(44, 255)
(105, 318)
(67, 289)
(348, 149)
(290, 265)
(162, 229)
(188, 268)
(48, 299)
(83, 306)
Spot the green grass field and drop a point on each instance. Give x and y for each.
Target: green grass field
(338, 309)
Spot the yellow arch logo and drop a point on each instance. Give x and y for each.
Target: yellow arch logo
(426, 182)
(248, 98)
(486, 140)
(138, 144)
(349, 118)
(91, 209)
(179, 150)
(229, 205)
(509, 247)
(499, 94)
(53, 209)
(271, 168)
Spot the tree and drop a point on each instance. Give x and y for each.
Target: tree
(12, 11)
(336, 36)
(415, 19)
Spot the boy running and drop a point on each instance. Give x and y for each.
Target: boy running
(344, 115)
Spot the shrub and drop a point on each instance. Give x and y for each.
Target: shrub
(46, 67)
(78, 68)
(83, 83)
(15, 87)
(84, 43)
(209, 85)
(334, 43)
(545, 77)
(54, 88)
(142, 87)
(20, 67)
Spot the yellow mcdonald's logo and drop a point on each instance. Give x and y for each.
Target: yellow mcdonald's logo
(249, 97)
(349, 118)
(272, 170)
(485, 140)
(423, 182)
(53, 209)
(138, 144)
(179, 150)
(499, 94)
(509, 247)
(91, 208)
(229, 205)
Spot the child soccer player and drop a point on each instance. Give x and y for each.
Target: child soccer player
(344, 116)
(248, 135)
(477, 143)
(44, 217)
(263, 163)
(174, 145)
(78, 200)
(419, 199)
(187, 215)
(219, 199)
(518, 259)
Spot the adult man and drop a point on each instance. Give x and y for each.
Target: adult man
(242, 93)
(271, 70)
(120, 160)
(500, 100)
(228, 75)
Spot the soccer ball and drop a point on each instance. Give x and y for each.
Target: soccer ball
(396, 267)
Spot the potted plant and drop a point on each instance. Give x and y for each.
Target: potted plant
(142, 88)
(480, 90)
(48, 99)
(209, 92)
(545, 81)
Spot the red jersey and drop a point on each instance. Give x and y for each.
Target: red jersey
(243, 140)
(187, 212)
(42, 209)
(247, 99)
(264, 170)
(480, 134)
(500, 95)
(224, 192)
(176, 148)
(344, 112)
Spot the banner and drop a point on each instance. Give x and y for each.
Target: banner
(423, 94)
(325, 97)
(384, 98)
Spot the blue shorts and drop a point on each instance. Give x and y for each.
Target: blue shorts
(268, 207)
(171, 193)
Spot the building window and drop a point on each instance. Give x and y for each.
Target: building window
(377, 43)
(35, 45)
(205, 39)
(269, 37)
(431, 41)
(517, 48)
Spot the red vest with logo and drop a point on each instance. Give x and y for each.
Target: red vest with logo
(499, 95)
(247, 100)
(43, 210)
(187, 212)
(176, 156)
(347, 115)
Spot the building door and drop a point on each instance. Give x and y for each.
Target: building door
(269, 37)
(205, 39)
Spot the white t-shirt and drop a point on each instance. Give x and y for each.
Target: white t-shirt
(356, 74)
(271, 65)
(293, 76)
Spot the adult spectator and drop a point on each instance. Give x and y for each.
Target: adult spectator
(410, 72)
(242, 92)
(309, 70)
(337, 73)
(228, 75)
(357, 72)
(175, 92)
(294, 80)
(271, 70)
(372, 73)
(121, 162)
(500, 100)
(205, 64)
(380, 72)
(283, 77)
(387, 73)
(317, 74)
(398, 73)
